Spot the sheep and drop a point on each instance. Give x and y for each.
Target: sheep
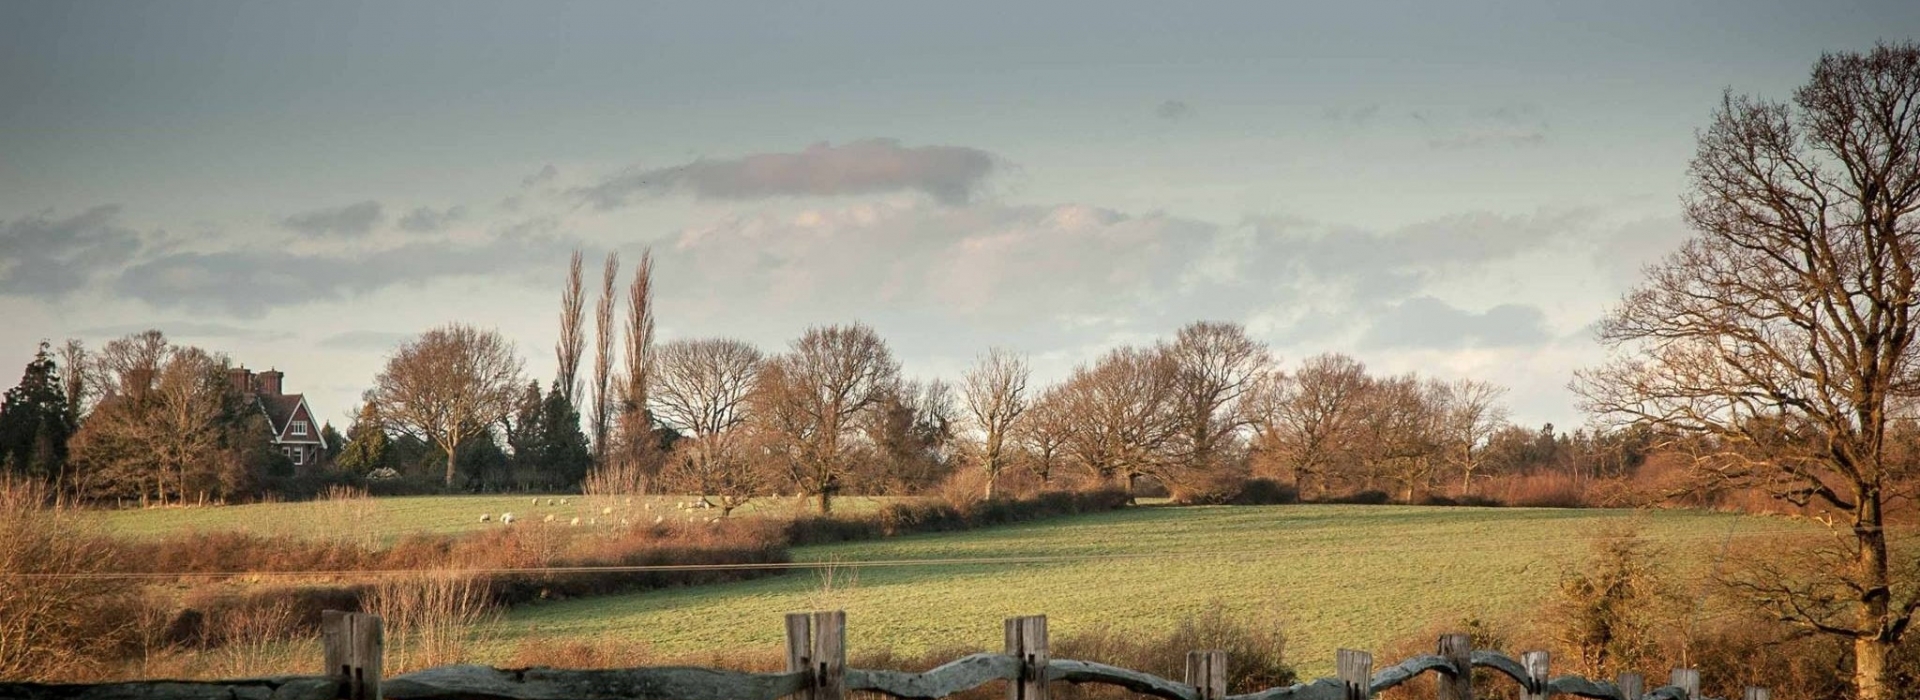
(646, 506)
(506, 518)
(549, 501)
(629, 500)
(607, 510)
(593, 521)
(536, 501)
(563, 501)
(576, 521)
(659, 519)
(486, 517)
(549, 518)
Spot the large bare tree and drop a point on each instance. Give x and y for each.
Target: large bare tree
(1310, 420)
(451, 383)
(1473, 413)
(700, 388)
(1125, 408)
(1782, 334)
(573, 342)
(601, 413)
(995, 394)
(1218, 365)
(812, 398)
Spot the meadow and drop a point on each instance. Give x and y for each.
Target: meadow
(388, 518)
(1330, 575)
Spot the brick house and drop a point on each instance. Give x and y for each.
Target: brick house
(295, 431)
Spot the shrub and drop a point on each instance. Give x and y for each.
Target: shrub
(1255, 647)
(57, 622)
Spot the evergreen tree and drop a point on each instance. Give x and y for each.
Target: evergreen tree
(563, 445)
(35, 421)
(525, 435)
(367, 446)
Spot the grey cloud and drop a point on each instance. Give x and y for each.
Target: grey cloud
(949, 174)
(1506, 125)
(428, 219)
(249, 282)
(185, 329)
(1173, 110)
(545, 176)
(1355, 116)
(1428, 323)
(365, 340)
(47, 258)
(356, 219)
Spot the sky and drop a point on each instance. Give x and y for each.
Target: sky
(1454, 189)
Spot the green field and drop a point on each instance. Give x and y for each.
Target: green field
(1333, 576)
(389, 518)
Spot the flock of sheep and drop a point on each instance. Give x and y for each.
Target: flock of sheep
(508, 517)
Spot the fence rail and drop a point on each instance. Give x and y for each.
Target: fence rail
(816, 670)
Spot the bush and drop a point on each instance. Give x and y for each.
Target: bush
(1256, 650)
(55, 622)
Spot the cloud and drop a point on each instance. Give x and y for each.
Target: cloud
(356, 219)
(185, 329)
(247, 282)
(949, 174)
(48, 258)
(1427, 322)
(365, 340)
(1354, 116)
(1506, 125)
(428, 220)
(1173, 110)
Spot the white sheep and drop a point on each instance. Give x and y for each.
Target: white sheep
(563, 501)
(646, 506)
(536, 500)
(506, 518)
(607, 510)
(593, 521)
(576, 521)
(486, 517)
(549, 518)
(659, 519)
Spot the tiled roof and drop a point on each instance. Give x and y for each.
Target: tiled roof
(280, 410)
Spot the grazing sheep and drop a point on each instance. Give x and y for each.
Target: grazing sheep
(607, 510)
(659, 519)
(646, 506)
(486, 517)
(576, 521)
(563, 501)
(624, 522)
(536, 501)
(549, 518)
(506, 518)
(629, 500)
(593, 521)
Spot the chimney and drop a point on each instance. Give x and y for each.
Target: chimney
(269, 382)
(242, 380)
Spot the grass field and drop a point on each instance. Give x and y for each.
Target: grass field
(389, 518)
(1332, 576)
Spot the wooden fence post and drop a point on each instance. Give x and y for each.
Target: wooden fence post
(1457, 649)
(353, 645)
(1632, 686)
(800, 650)
(1688, 679)
(1356, 673)
(830, 655)
(1027, 643)
(1207, 673)
(1536, 663)
(1754, 693)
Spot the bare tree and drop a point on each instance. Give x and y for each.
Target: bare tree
(812, 396)
(1042, 433)
(1218, 367)
(995, 394)
(636, 426)
(573, 342)
(1126, 412)
(74, 360)
(451, 383)
(602, 409)
(1310, 419)
(1784, 330)
(1473, 414)
(1400, 421)
(700, 388)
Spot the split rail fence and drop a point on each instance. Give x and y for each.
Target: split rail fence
(816, 670)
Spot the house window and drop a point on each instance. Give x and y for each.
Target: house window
(299, 456)
(299, 427)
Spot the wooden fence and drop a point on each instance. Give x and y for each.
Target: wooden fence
(816, 670)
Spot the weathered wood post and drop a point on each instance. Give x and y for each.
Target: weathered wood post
(1027, 643)
(1536, 663)
(800, 650)
(1356, 673)
(1688, 679)
(1457, 649)
(354, 643)
(1632, 685)
(830, 655)
(1207, 673)
(1753, 693)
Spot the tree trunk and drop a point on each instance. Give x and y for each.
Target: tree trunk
(1871, 677)
(993, 479)
(826, 500)
(453, 449)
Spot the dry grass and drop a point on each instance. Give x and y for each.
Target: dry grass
(431, 620)
(55, 622)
